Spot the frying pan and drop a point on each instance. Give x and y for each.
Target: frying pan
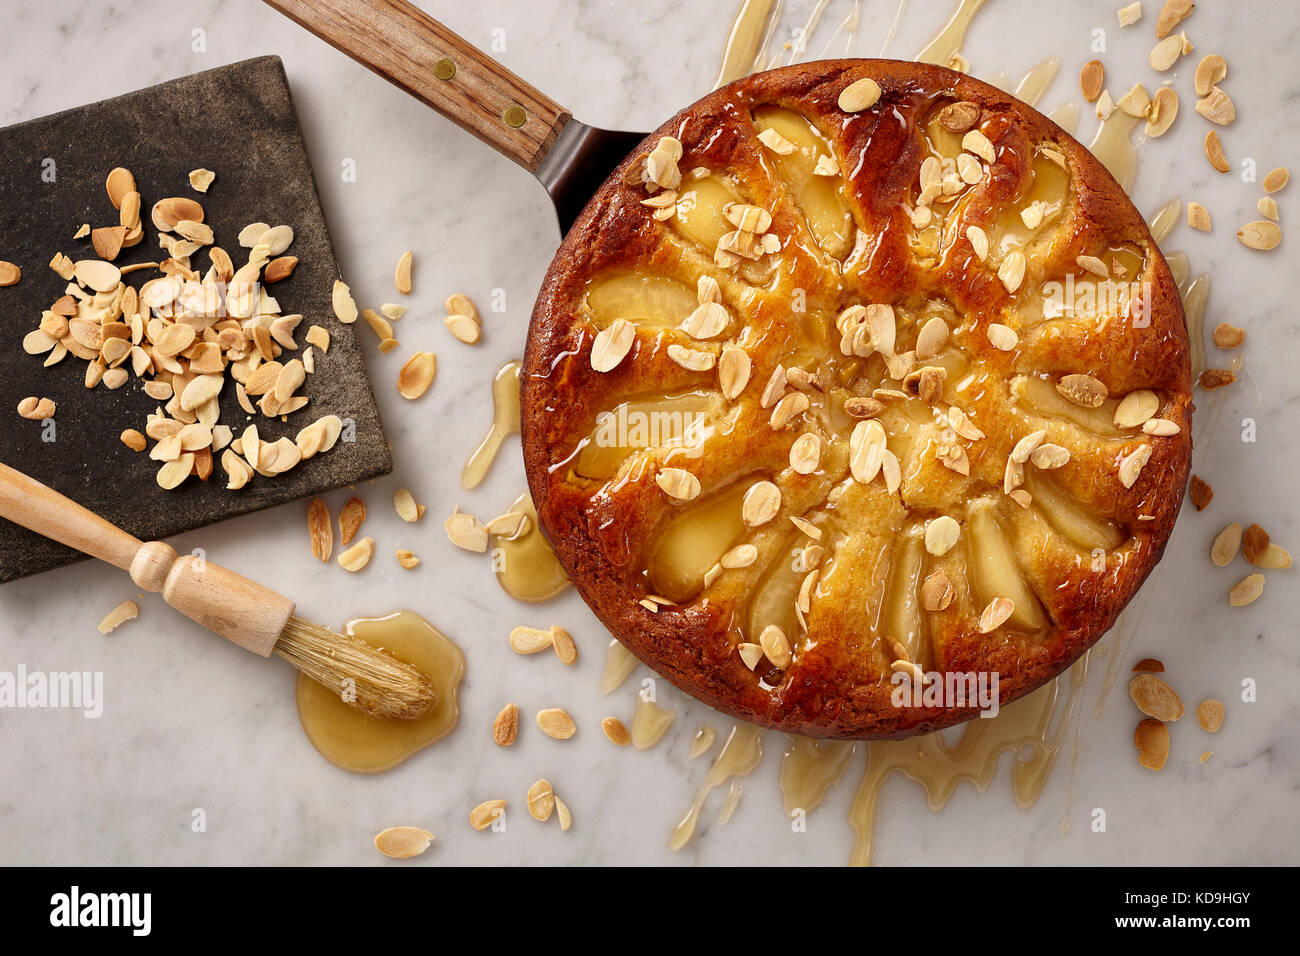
(409, 48)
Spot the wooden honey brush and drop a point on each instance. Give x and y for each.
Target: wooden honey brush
(240, 610)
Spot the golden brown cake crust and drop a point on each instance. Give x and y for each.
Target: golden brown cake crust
(839, 684)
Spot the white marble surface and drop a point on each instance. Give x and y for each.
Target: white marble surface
(190, 722)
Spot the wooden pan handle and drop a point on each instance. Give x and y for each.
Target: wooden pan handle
(411, 49)
(224, 602)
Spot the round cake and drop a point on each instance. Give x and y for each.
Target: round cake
(857, 402)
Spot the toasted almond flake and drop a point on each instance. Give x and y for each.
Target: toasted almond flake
(1171, 14)
(402, 274)
(914, 673)
(969, 169)
(509, 526)
(1002, 338)
(741, 556)
(98, 275)
(486, 814)
(345, 307)
(760, 504)
(1166, 53)
(1136, 407)
(168, 212)
(859, 95)
(566, 649)
(404, 504)
(1012, 270)
(941, 535)
(1214, 152)
(1027, 445)
(805, 453)
(107, 241)
(1105, 105)
(466, 532)
(826, 166)
(531, 640)
(776, 142)
(1130, 14)
(1160, 427)
(866, 450)
(979, 241)
(133, 440)
(237, 469)
(319, 337)
(1267, 207)
(462, 327)
(1247, 590)
(541, 800)
(615, 731)
(505, 728)
(563, 814)
(350, 518)
(398, 843)
(126, 611)
(1049, 457)
(807, 527)
(750, 654)
(1091, 79)
(1253, 542)
(1152, 741)
(995, 614)
(1082, 390)
(119, 183)
(1155, 698)
(1216, 106)
(458, 303)
(936, 591)
(201, 179)
(775, 646)
(733, 371)
(694, 359)
(612, 344)
(1209, 714)
(960, 116)
(1209, 72)
(1262, 235)
(416, 375)
(1276, 179)
(1131, 465)
(1163, 111)
(1274, 557)
(555, 722)
(678, 483)
(788, 409)
(358, 556)
(1136, 102)
(407, 559)
(709, 320)
(1198, 217)
(319, 529)
(172, 473)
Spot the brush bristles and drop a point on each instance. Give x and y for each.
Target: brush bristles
(369, 679)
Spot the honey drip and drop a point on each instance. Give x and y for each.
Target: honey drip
(947, 43)
(747, 40)
(505, 422)
(619, 664)
(742, 752)
(649, 723)
(809, 768)
(702, 741)
(357, 742)
(526, 566)
(1114, 150)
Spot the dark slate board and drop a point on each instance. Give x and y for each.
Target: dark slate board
(239, 121)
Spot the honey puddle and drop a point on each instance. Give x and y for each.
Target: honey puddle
(355, 741)
(526, 566)
(505, 422)
(1113, 148)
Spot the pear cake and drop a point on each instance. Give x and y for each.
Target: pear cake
(854, 376)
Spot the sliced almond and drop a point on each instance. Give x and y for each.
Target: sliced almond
(976, 142)
(36, 409)
(1155, 698)
(941, 535)
(486, 814)
(1091, 79)
(1171, 14)
(1247, 590)
(466, 532)
(1082, 390)
(612, 344)
(1163, 111)
(1198, 217)
(133, 440)
(1254, 541)
(995, 614)
(1274, 557)
(1267, 207)
(1135, 408)
(678, 483)
(859, 95)
(733, 371)
(98, 275)
(1209, 714)
(126, 611)
(1130, 14)
(555, 722)
(1131, 465)
(404, 503)
(776, 646)
(358, 556)
(1214, 152)
(119, 183)
(760, 504)
(1262, 235)
(345, 307)
(615, 731)
(416, 375)
(1166, 53)
(1136, 102)
(1215, 106)
(1276, 179)
(936, 591)
(541, 800)
(805, 453)
(505, 728)
(1002, 338)
(107, 241)
(1152, 741)
(1209, 72)
(1012, 270)
(320, 529)
(401, 843)
(402, 274)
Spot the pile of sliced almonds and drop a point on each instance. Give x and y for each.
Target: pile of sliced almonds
(181, 333)
(463, 319)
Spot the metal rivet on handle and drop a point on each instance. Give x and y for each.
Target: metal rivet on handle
(515, 116)
(444, 69)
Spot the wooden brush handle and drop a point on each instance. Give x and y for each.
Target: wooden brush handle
(411, 49)
(224, 602)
